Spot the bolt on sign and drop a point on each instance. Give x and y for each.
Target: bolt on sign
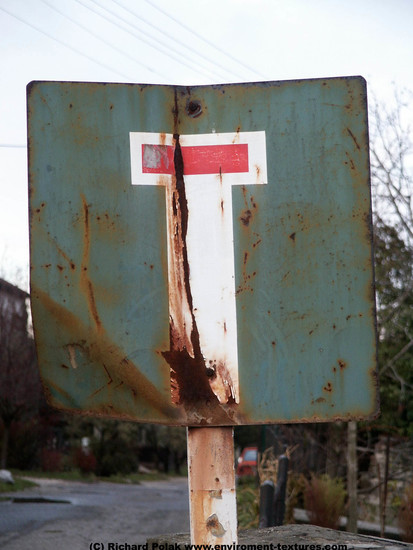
(202, 255)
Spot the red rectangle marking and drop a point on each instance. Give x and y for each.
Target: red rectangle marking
(215, 159)
(198, 159)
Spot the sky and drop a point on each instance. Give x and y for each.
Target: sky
(187, 42)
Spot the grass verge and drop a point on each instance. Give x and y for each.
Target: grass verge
(19, 485)
(76, 475)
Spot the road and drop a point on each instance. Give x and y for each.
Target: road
(92, 512)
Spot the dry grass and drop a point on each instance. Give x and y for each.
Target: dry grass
(324, 500)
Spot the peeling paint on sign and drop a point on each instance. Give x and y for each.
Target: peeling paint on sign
(198, 173)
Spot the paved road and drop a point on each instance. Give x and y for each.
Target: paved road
(93, 512)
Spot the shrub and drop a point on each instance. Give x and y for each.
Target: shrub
(114, 457)
(52, 460)
(248, 506)
(406, 514)
(296, 485)
(85, 461)
(23, 452)
(324, 500)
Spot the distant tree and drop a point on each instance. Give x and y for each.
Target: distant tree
(394, 276)
(20, 389)
(115, 446)
(172, 447)
(120, 446)
(392, 182)
(391, 161)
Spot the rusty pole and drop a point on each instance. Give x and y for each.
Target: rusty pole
(212, 496)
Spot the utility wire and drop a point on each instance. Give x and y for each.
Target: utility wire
(205, 40)
(90, 58)
(182, 58)
(177, 41)
(165, 51)
(99, 38)
(13, 146)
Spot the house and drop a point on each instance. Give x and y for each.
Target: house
(14, 306)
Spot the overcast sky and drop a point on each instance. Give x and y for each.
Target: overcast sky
(181, 42)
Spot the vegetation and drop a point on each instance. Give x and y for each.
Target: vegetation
(19, 485)
(24, 479)
(406, 514)
(248, 499)
(19, 378)
(324, 500)
(392, 180)
(296, 485)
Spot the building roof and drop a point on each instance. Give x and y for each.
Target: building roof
(14, 290)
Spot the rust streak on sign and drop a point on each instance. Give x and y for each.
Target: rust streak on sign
(102, 350)
(85, 282)
(190, 378)
(198, 180)
(353, 137)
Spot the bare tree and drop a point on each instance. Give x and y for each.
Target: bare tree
(19, 378)
(392, 184)
(391, 159)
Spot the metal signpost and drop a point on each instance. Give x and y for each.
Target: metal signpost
(202, 257)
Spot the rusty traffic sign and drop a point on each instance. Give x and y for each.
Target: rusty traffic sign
(202, 256)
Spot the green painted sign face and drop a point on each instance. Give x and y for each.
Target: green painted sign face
(202, 256)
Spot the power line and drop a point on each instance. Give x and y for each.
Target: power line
(205, 40)
(101, 39)
(90, 58)
(13, 146)
(177, 41)
(168, 48)
(166, 51)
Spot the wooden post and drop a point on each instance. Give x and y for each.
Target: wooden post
(212, 496)
(352, 473)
